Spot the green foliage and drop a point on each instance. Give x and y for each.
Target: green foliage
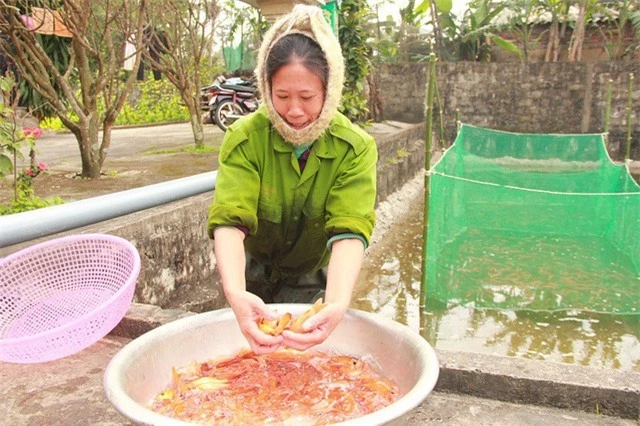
(402, 152)
(356, 52)
(468, 38)
(634, 17)
(504, 44)
(617, 18)
(247, 20)
(153, 102)
(476, 30)
(157, 102)
(522, 24)
(12, 140)
(385, 44)
(443, 6)
(203, 149)
(25, 199)
(23, 204)
(52, 124)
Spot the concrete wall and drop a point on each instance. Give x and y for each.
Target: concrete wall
(559, 97)
(178, 265)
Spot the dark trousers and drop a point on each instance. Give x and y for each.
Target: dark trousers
(260, 282)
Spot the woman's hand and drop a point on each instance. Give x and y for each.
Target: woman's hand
(317, 328)
(344, 266)
(248, 309)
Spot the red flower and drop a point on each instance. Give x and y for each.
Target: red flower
(34, 132)
(28, 22)
(42, 166)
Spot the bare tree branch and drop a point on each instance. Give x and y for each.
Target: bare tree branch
(99, 30)
(176, 42)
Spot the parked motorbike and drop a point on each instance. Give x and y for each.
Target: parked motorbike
(228, 99)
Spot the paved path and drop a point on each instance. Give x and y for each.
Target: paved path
(56, 149)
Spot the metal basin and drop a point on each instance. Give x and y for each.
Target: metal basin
(142, 368)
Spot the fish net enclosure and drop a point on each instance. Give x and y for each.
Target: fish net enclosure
(532, 222)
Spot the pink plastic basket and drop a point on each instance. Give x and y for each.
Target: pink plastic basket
(63, 295)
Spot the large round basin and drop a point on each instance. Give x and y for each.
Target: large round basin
(142, 368)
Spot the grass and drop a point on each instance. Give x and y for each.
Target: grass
(204, 149)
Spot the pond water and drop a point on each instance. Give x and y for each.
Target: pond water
(389, 284)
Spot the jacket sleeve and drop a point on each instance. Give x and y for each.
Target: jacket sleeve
(351, 202)
(237, 186)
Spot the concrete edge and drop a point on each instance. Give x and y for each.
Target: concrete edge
(141, 318)
(521, 381)
(567, 386)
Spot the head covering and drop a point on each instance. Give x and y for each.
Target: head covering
(308, 21)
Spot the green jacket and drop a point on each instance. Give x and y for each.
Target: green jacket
(290, 215)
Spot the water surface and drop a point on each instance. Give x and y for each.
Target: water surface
(390, 284)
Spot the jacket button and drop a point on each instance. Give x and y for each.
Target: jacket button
(295, 218)
(317, 225)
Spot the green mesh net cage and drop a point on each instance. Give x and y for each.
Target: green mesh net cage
(240, 57)
(532, 221)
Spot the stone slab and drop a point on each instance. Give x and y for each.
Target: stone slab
(67, 391)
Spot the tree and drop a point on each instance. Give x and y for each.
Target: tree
(356, 52)
(57, 49)
(559, 10)
(476, 31)
(617, 26)
(385, 43)
(524, 20)
(177, 38)
(585, 10)
(470, 38)
(94, 86)
(247, 24)
(401, 41)
(436, 9)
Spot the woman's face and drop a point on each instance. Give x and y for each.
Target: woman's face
(297, 95)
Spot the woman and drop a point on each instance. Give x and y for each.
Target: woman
(296, 184)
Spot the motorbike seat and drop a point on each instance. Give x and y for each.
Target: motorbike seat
(239, 88)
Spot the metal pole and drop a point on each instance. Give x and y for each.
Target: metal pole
(27, 226)
(629, 107)
(607, 113)
(441, 116)
(431, 88)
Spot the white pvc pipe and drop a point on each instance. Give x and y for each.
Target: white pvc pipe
(26, 226)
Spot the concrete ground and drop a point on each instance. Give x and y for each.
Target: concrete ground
(471, 389)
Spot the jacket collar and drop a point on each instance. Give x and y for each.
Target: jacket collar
(323, 147)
